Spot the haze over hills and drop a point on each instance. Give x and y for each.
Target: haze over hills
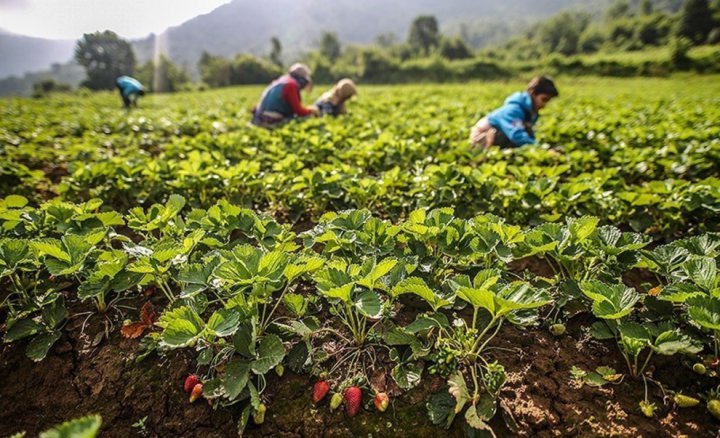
(248, 25)
(21, 54)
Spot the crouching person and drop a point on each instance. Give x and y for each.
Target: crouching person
(130, 89)
(511, 125)
(281, 100)
(332, 103)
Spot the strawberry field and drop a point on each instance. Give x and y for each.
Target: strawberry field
(181, 273)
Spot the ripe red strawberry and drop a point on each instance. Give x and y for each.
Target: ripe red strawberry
(381, 401)
(353, 398)
(320, 390)
(190, 383)
(196, 392)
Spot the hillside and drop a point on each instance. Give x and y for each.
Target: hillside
(21, 54)
(247, 26)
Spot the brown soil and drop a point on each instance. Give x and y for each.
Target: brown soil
(72, 382)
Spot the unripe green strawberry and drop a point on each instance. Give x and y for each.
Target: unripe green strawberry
(558, 329)
(336, 401)
(280, 370)
(259, 416)
(685, 401)
(196, 392)
(700, 369)
(714, 408)
(381, 401)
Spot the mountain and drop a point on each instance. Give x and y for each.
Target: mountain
(22, 54)
(248, 25)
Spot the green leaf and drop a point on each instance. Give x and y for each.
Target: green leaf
(244, 340)
(601, 331)
(237, 374)
(304, 265)
(634, 338)
(458, 389)
(407, 376)
(705, 311)
(13, 252)
(610, 301)
(53, 248)
(270, 353)
(582, 228)
(397, 336)
(520, 296)
(417, 286)
(680, 292)
(426, 322)
(334, 283)
(182, 326)
(224, 322)
(298, 356)
(295, 303)
(254, 396)
(703, 272)
(368, 304)
(674, 342)
(55, 313)
(22, 329)
(15, 201)
(378, 271)
(479, 297)
(41, 344)
(86, 427)
(441, 408)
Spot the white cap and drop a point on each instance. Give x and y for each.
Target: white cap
(300, 70)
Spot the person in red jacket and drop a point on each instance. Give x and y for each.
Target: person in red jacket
(281, 102)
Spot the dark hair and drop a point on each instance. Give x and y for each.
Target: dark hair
(543, 85)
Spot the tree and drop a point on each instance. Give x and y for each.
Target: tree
(619, 9)
(696, 21)
(215, 70)
(162, 75)
(562, 33)
(330, 46)
(276, 52)
(424, 34)
(646, 7)
(249, 69)
(105, 56)
(386, 40)
(47, 86)
(679, 48)
(454, 48)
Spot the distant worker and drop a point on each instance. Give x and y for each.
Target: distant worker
(130, 90)
(512, 124)
(332, 102)
(280, 101)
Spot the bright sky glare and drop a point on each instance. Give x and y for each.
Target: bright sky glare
(69, 19)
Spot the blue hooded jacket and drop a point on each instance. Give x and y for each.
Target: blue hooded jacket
(513, 117)
(129, 85)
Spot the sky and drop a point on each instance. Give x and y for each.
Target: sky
(69, 19)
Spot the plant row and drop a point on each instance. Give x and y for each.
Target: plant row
(248, 296)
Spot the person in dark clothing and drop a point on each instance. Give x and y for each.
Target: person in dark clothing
(130, 89)
(511, 125)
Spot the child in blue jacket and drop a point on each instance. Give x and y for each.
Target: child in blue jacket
(130, 88)
(512, 124)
